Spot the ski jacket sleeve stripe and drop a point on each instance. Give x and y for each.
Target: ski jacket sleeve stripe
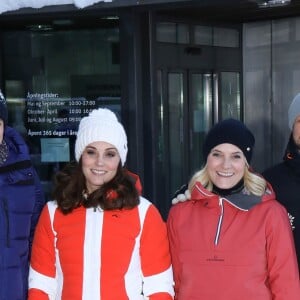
(156, 265)
(159, 282)
(42, 283)
(43, 257)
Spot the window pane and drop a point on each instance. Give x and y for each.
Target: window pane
(203, 35)
(166, 32)
(52, 80)
(226, 37)
(201, 101)
(230, 95)
(175, 116)
(182, 34)
(172, 33)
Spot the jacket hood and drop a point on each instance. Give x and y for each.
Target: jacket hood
(15, 141)
(292, 156)
(17, 148)
(136, 180)
(242, 200)
(291, 151)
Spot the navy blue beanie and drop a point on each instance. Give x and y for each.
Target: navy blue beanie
(230, 131)
(3, 109)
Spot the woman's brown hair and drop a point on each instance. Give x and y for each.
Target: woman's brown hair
(70, 190)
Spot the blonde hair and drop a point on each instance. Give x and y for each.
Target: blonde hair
(254, 183)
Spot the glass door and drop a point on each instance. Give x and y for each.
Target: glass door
(185, 114)
(201, 104)
(190, 103)
(176, 124)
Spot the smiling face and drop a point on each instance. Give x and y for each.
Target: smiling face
(226, 165)
(100, 161)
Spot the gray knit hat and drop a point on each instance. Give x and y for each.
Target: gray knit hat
(294, 110)
(101, 125)
(3, 109)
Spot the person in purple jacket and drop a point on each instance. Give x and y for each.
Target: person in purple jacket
(21, 201)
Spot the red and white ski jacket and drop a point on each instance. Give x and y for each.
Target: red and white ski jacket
(91, 254)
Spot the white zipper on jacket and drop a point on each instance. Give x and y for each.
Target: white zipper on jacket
(220, 221)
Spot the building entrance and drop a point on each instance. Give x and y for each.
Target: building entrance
(191, 101)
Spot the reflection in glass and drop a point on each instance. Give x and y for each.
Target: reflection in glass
(175, 117)
(203, 35)
(226, 37)
(201, 104)
(230, 95)
(176, 33)
(53, 79)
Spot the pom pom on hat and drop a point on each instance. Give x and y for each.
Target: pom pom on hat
(233, 132)
(294, 111)
(101, 125)
(3, 109)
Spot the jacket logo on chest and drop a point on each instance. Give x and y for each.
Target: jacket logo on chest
(215, 258)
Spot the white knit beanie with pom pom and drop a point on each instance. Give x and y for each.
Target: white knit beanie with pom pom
(101, 125)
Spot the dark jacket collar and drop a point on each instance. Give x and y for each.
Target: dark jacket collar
(242, 199)
(292, 156)
(226, 192)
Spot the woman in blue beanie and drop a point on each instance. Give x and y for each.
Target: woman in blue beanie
(21, 201)
(231, 240)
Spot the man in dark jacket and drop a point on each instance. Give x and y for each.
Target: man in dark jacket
(21, 201)
(285, 176)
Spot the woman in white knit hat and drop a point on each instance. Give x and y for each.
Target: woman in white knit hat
(100, 239)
